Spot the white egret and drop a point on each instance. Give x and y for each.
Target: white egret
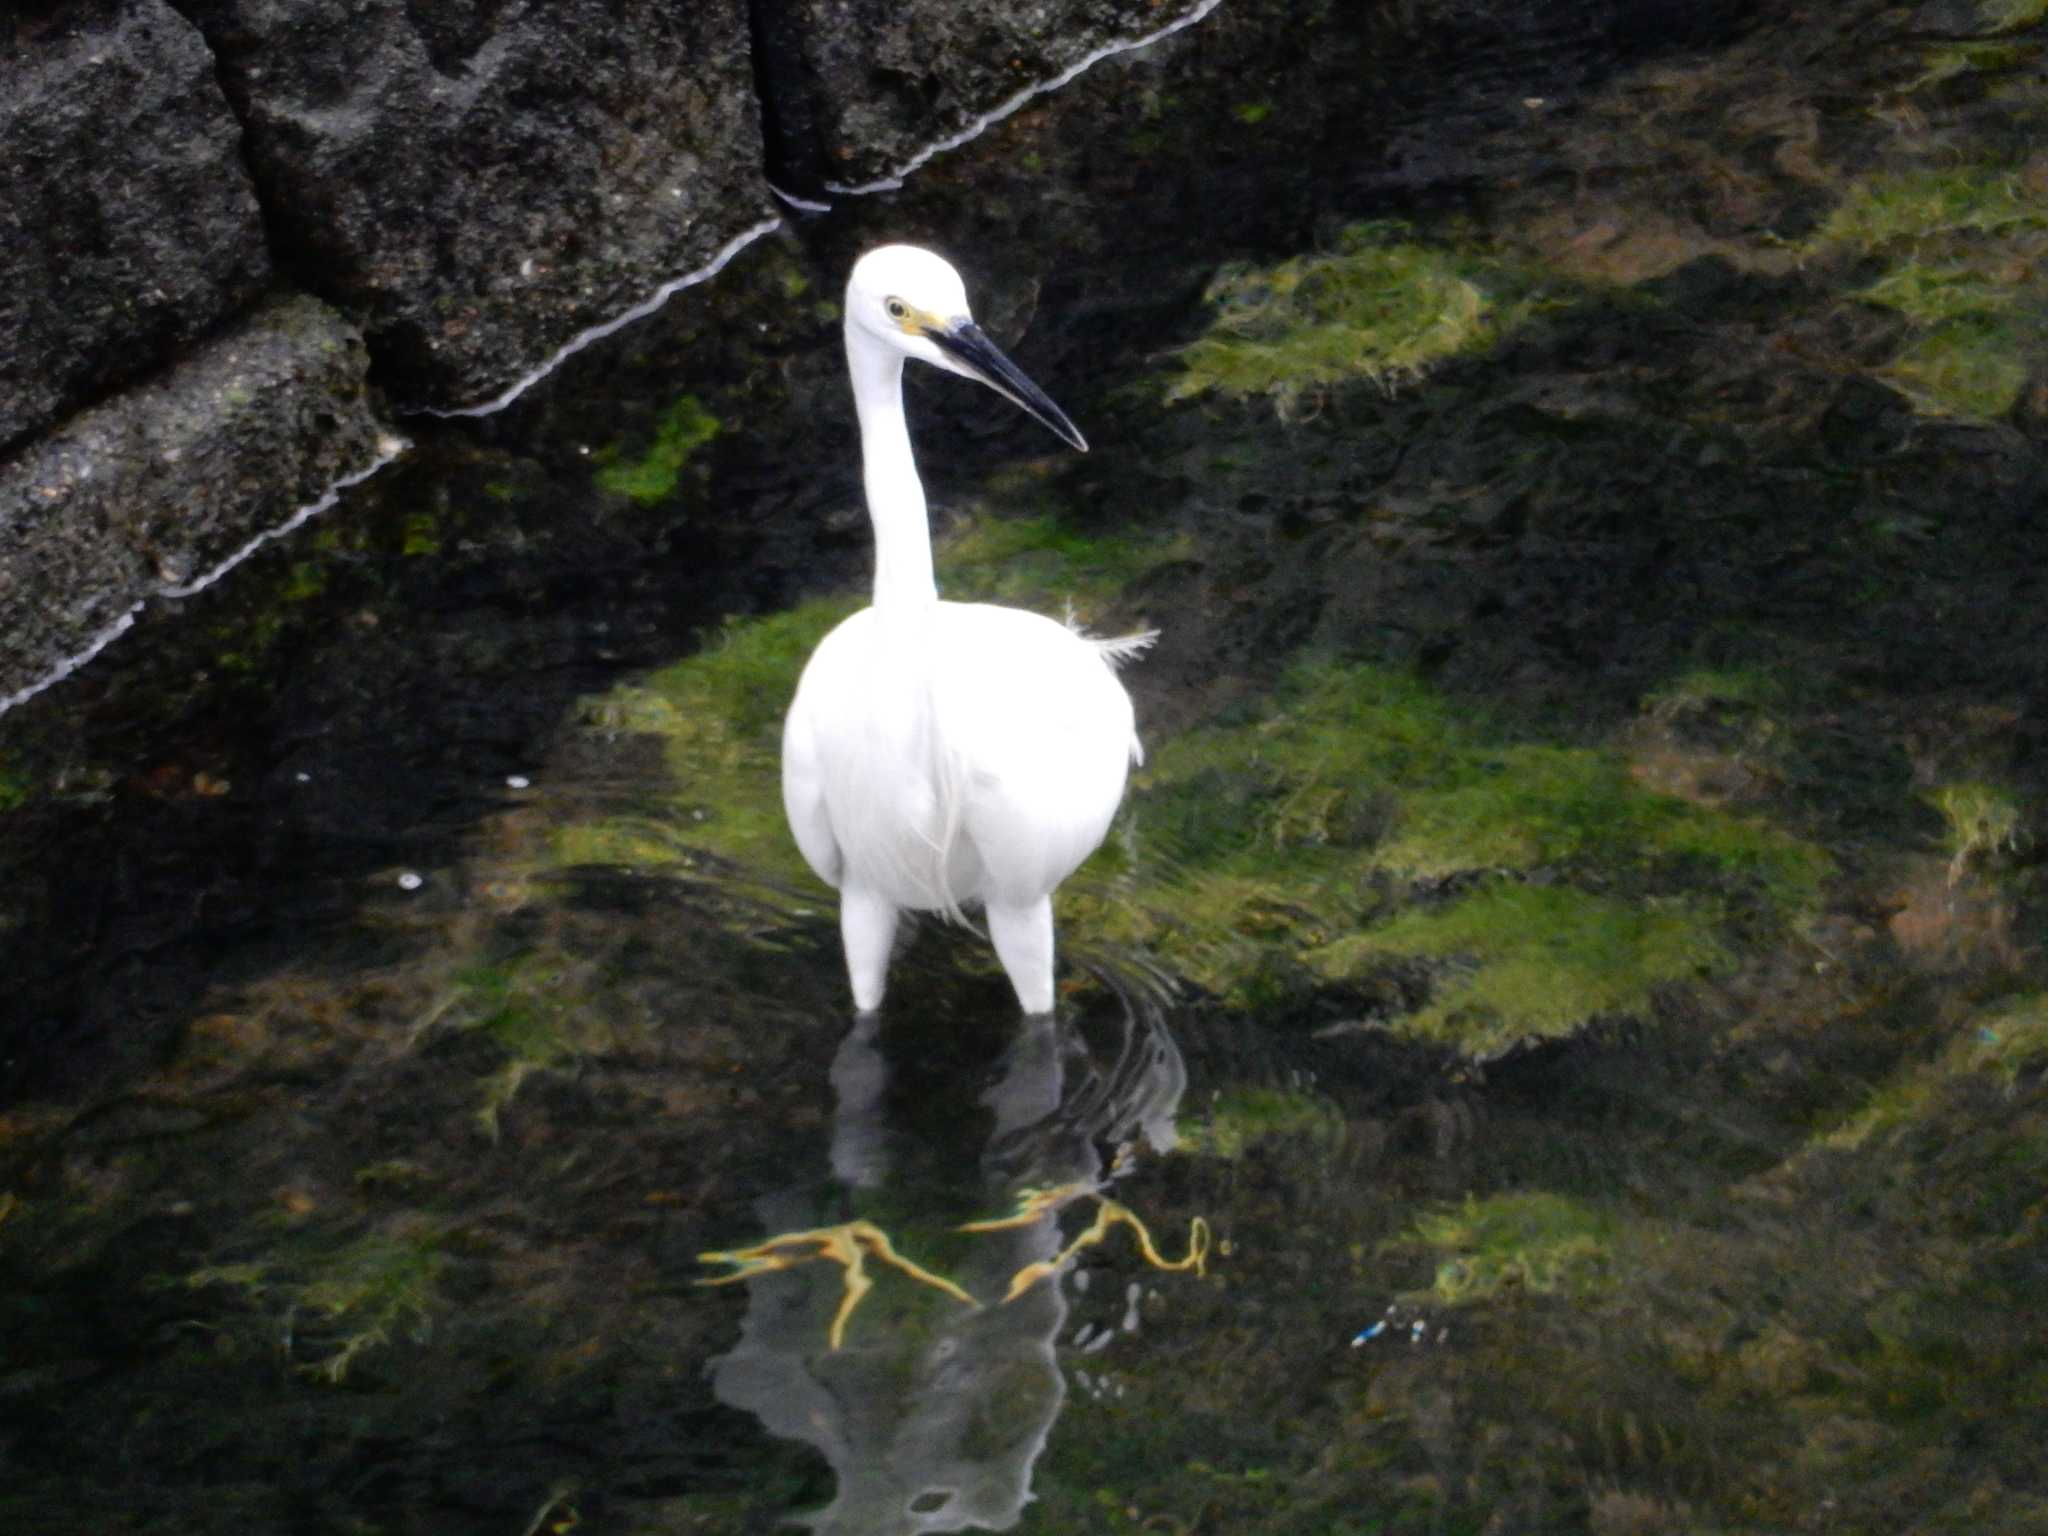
(936, 753)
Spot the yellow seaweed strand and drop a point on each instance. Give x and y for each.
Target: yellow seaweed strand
(845, 1245)
(878, 1242)
(1032, 1204)
(1110, 1214)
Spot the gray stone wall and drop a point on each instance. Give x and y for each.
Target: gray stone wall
(361, 208)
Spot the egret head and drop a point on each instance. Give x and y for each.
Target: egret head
(913, 302)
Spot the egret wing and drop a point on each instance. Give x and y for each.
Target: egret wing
(1044, 729)
(803, 793)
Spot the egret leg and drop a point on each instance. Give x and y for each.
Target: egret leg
(1023, 941)
(867, 928)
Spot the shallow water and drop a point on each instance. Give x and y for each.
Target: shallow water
(1568, 970)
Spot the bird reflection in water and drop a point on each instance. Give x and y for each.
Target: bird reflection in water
(1033, 1204)
(845, 1245)
(933, 1415)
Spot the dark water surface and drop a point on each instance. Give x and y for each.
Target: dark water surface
(1555, 1042)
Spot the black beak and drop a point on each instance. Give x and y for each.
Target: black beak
(968, 346)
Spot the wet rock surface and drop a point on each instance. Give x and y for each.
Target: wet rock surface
(128, 224)
(150, 493)
(477, 185)
(855, 91)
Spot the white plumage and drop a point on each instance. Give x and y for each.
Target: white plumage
(940, 754)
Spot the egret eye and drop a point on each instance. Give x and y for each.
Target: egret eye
(898, 310)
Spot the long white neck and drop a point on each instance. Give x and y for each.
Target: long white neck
(903, 537)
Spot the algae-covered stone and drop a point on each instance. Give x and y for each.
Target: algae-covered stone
(1520, 963)
(1360, 817)
(1533, 1241)
(1962, 246)
(1380, 306)
(155, 489)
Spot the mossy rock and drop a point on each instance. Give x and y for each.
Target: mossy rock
(1359, 817)
(1532, 1241)
(1237, 1119)
(652, 477)
(1525, 962)
(1381, 306)
(1963, 246)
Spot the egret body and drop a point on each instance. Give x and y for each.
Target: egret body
(939, 754)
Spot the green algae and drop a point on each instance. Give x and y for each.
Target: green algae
(2004, 1046)
(1525, 806)
(2010, 15)
(528, 1012)
(1380, 306)
(1531, 1241)
(350, 1296)
(1978, 325)
(1536, 962)
(1240, 1117)
(16, 789)
(1955, 60)
(548, 1007)
(1040, 562)
(421, 535)
(652, 477)
(1920, 205)
(1963, 245)
(1992, 50)
(718, 716)
(1939, 293)
(376, 1286)
(1983, 819)
(1374, 759)
(1309, 831)
(1974, 368)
